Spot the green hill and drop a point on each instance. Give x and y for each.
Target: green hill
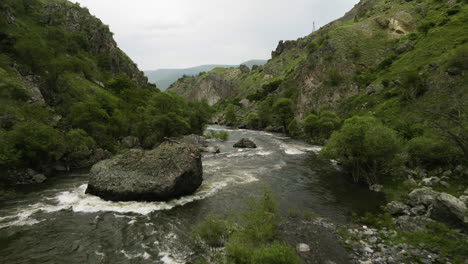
(163, 78)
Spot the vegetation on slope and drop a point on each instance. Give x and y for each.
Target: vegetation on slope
(66, 89)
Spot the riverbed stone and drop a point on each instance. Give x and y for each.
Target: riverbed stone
(214, 149)
(169, 171)
(450, 210)
(303, 248)
(422, 196)
(397, 208)
(245, 143)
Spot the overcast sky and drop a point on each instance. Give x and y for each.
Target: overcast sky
(183, 33)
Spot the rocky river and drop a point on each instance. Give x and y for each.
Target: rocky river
(59, 223)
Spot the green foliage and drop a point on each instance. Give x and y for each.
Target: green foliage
(253, 121)
(425, 27)
(79, 145)
(430, 151)
(436, 236)
(294, 128)
(230, 114)
(120, 83)
(365, 147)
(283, 110)
(384, 220)
(265, 90)
(265, 111)
(334, 77)
(312, 47)
(460, 58)
(9, 155)
(319, 127)
(356, 53)
(213, 230)
(413, 86)
(276, 253)
(223, 135)
(36, 143)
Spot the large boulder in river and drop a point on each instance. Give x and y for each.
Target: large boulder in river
(245, 143)
(169, 171)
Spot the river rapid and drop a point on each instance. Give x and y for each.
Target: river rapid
(59, 223)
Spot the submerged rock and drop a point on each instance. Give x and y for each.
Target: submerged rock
(214, 150)
(169, 171)
(245, 143)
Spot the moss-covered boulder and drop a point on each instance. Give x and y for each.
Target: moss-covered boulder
(169, 171)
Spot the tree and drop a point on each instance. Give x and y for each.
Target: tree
(311, 126)
(365, 147)
(284, 112)
(230, 114)
(253, 121)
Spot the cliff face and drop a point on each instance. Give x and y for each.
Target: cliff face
(213, 86)
(361, 62)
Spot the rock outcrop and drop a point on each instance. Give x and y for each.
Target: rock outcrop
(167, 172)
(245, 143)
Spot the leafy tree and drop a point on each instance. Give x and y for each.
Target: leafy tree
(230, 114)
(430, 151)
(120, 83)
(366, 147)
(265, 111)
(37, 143)
(312, 125)
(79, 145)
(284, 112)
(253, 121)
(294, 128)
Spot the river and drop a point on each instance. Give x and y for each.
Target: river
(59, 223)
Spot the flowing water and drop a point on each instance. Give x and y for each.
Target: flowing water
(62, 224)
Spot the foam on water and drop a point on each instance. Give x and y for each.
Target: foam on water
(296, 149)
(78, 201)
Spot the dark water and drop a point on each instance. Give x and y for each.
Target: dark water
(60, 224)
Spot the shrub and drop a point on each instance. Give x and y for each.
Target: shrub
(284, 112)
(365, 147)
(78, 145)
(430, 151)
(37, 143)
(212, 230)
(9, 156)
(294, 128)
(413, 86)
(334, 77)
(355, 53)
(311, 125)
(276, 253)
(253, 121)
(230, 114)
(312, 47)
(223, 135)
(321, 126)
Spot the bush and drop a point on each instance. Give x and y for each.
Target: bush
(276, 253)
(430, 151)
(253, 121)
(37, 143)
(294, 128)
(230, 114)
(79, 145)
(283, 110)
(334, 77)
(365, 147)
(223, 135)
(212, 230)
(320, 127)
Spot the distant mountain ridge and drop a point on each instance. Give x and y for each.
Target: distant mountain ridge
(163, 78)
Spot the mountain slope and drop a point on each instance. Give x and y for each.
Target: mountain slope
(163, 78)
(359, 63)
(66, 90)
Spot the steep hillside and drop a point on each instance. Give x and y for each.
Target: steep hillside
(163, 78)
(66, 89)
(361, 61)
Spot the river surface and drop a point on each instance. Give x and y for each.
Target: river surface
(61, 224)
